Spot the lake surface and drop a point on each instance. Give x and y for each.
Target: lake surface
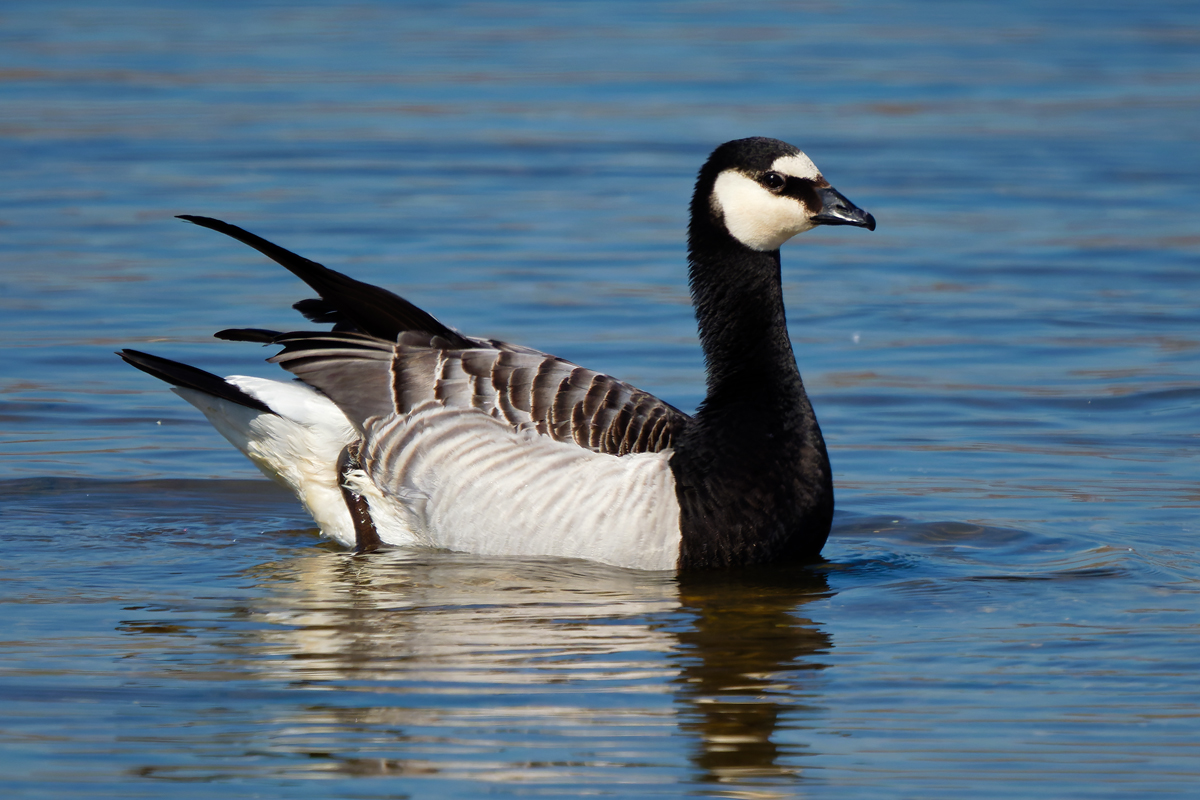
(1007, 373)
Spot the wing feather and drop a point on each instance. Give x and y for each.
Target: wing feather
(526, 389)
(353, 369)
(387, 356)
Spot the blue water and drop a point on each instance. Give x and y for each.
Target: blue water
(1007, 373)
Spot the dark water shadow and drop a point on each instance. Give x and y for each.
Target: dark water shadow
(745, 670)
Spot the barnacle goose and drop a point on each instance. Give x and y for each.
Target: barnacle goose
(402, 431)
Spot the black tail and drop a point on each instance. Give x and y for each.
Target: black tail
(372, 310)
(178, 374)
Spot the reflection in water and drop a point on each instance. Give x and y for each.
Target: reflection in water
(456, 666)
(743, 660)
(443, 617)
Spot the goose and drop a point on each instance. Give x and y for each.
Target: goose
(398, 430)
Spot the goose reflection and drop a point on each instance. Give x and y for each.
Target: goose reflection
(459, 666)
(746, 662)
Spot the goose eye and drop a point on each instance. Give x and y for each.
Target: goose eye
(773, 181)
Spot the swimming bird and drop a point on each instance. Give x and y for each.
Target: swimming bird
(399, 430)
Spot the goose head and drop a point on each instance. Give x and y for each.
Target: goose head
(762, 192)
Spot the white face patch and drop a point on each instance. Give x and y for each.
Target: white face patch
(798, 166)
(756, 217)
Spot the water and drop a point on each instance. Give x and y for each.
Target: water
(1007, 373)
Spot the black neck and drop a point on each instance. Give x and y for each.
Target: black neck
(752, 476)
(738, 296)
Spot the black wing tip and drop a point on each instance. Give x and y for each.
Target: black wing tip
(349, 303)
(206, 222)
(260, 335)
(319, 310)
(189, 377)
(220, 226)
(146, 362)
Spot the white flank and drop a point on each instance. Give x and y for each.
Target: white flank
(298, 446)
(458, 479)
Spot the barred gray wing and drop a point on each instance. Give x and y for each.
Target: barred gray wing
(530, 390)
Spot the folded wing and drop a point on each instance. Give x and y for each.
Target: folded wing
(386, 356)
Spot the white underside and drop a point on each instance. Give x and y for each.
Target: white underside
(297, 447)
(458, 479)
